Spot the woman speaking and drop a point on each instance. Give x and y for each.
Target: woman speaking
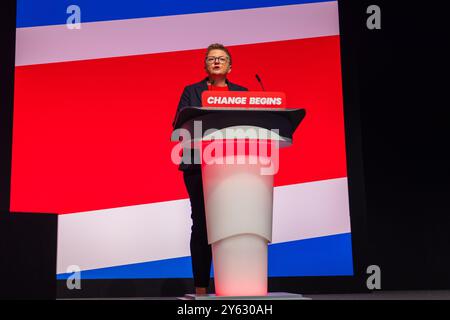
(218, 64)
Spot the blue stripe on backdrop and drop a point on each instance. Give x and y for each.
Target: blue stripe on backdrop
(325, 256)
(31, 13)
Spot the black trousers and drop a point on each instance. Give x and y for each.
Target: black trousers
(200, 249)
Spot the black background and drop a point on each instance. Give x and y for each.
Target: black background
(395, 87)
(402, 86)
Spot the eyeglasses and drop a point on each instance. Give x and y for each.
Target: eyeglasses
(211, 60)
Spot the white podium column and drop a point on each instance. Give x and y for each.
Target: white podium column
(240, 266)
(238, 204)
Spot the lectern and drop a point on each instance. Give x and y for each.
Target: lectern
(237, 135)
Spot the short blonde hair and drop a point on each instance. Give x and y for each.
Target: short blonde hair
(218, 46)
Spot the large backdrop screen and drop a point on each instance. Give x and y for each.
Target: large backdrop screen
(92, 123)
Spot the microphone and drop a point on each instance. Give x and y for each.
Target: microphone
(260, 82)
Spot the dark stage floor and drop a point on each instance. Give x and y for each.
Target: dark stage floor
(379, 295)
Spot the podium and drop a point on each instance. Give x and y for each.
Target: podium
(238, 148)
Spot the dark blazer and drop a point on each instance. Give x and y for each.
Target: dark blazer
(192, 97)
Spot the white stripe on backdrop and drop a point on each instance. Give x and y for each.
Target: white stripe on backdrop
(95, 40)
(157, 231)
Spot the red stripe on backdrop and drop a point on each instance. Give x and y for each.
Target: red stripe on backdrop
(95, 134)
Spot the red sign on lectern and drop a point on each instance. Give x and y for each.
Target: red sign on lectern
(244, 99)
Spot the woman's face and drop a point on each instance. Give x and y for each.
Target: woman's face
(217, 63)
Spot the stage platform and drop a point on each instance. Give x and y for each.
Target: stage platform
(378, 295)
